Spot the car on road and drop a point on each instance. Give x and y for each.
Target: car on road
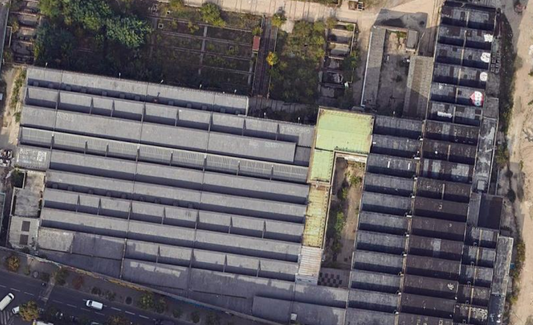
(15, 310)
(94, 304)
(59, 315)
(6, 301)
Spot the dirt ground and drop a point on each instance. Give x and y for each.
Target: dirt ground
(393, 77)
(521, 154)
(10, 128)
(349, 206)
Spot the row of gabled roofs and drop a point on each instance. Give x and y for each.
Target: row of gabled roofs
(175, 189)
(426, 249)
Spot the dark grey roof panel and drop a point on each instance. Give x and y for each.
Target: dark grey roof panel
(167, 275)
(475, 295)
(433, 267)
(395, 146)
(374, 281)
(272, 309)
(480, 256)
(380, 242)
(368, 317)
(444, 190)
(371, 300)
(175, 137)
(380, 222)
(426, 207)
(383, 203)
(410, 319)
(453, 152)
(388, 184)
(476, 275)
(377, 262)
(438, 228)
(426, 286)
(38, 117)
(447, 171)
(317, 314)
(41, 97)
(247, 147)
(430, 306)
(388, 125)
(99, 265)
(435, 247)
(451, 132)
(389, 165)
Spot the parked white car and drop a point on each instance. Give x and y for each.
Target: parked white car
(94, 304)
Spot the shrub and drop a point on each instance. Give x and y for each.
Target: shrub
(272, 59)
(211, 15)
(257, 31)
(278, 19)
(147, 301)
(176, 313)
(61, 276)
(195, 317)
(78, 281)
(13, 263)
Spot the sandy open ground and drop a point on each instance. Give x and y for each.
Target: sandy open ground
(521, 152)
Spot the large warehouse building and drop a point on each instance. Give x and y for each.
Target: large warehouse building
(180, 190)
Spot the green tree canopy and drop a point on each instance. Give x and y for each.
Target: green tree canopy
(29, 311)
(128, 31)
(272, 59)
(211, 15)
(278, 19)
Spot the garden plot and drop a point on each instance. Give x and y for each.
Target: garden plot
(194, 54)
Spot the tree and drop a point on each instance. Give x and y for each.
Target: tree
(278, 19)
(50, 8)
(29, 311)
(272, 59)
(147, 301)
(211, 15)
(331, 22)
(53, 45)
(61, 276)
(13, 263)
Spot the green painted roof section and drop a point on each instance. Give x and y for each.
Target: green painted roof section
(344, 131)
(321, 166)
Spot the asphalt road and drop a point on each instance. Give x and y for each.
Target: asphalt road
(69, 302)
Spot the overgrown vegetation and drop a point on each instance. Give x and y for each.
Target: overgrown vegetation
(12, 263)
(295, 77)
(94, 36)
(278, 19)
(519, 261)
(507, 84)
(15, 94)
(211, 15)
(149, 301)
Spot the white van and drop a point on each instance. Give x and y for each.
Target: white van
(6, 301)
(94, 304)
